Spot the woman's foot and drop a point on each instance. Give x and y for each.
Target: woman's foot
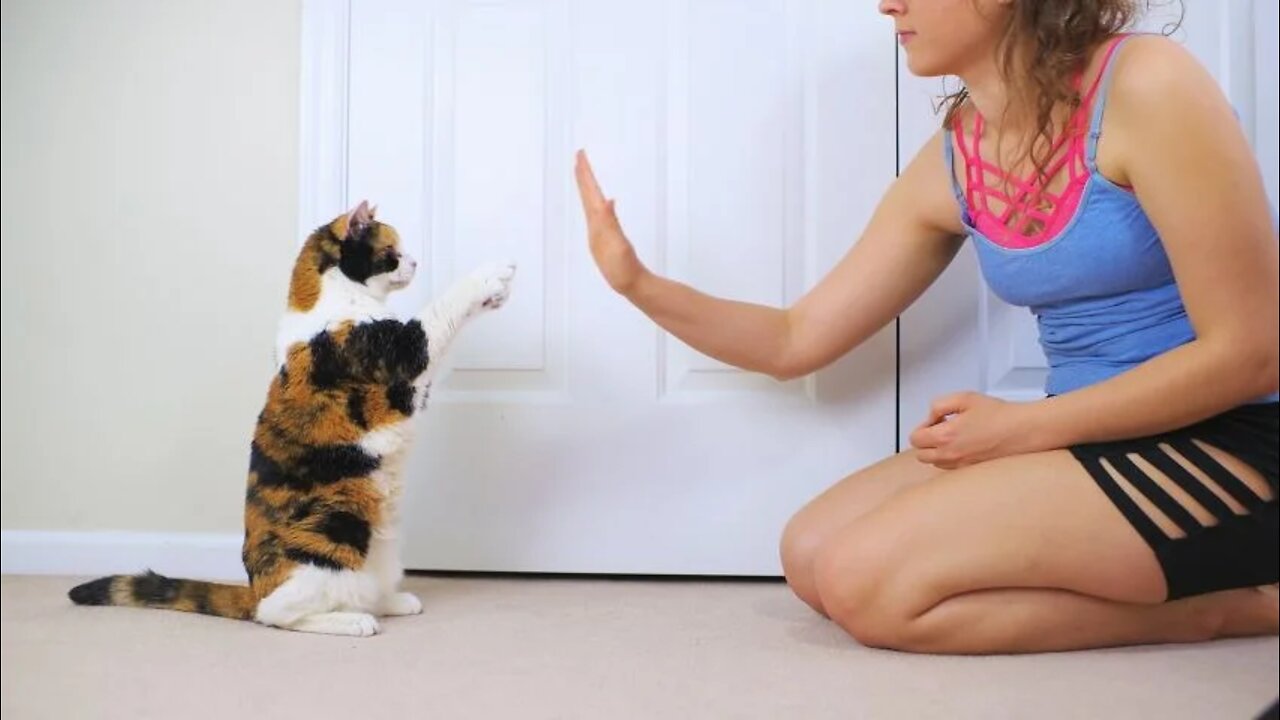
(1246, 612)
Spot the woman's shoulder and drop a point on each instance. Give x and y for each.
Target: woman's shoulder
(1160, 96)
(1151, 71)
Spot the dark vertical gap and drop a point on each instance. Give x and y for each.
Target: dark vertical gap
(346, 121)
(897, 322)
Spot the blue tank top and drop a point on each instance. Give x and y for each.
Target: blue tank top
(1102, 289)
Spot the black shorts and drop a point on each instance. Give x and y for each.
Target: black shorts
(1239, 547)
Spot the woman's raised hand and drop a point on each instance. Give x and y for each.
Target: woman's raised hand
(610, 248)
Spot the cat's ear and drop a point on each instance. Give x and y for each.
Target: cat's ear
(373, 212)
(358, 219)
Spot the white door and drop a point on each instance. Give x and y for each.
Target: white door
(959, 336)
(746, 144)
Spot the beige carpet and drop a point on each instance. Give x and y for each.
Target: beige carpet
(557, 648)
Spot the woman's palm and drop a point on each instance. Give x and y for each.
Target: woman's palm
(610, 248)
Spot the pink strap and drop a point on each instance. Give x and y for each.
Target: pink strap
(1029, 196)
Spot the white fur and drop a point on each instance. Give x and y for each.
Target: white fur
(346, 602)
(341, 300)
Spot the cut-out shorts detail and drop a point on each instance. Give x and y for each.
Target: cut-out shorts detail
(1212, 528)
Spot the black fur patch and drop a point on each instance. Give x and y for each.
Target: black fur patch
(355, 408)
(153, 589)
(330, 463)
(380, 351)
(347, 528)
(357, 260)
(97, 592)
(303, 510)
(388, 350)
(306, 558)
(271, 474)
(409, 352)
(386, 261)
(328, 369)
(400, 398)
(322, 465)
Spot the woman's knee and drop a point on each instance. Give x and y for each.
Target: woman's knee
(801, 541)
(855, 577)
(837, 511)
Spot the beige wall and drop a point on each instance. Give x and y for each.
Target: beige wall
(149, 205)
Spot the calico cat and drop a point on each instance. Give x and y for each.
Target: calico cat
(320, 541)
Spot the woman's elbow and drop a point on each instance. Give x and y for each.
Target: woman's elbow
(783, 366)
(784, 369)
(786, 374)
(1269, 376)
(792, 365)
(1259, 366)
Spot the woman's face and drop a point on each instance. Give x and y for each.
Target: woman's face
(947, 37)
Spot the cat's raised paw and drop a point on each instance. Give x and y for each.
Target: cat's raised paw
(401, 603)
(495, 284)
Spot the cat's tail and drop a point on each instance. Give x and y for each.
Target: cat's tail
(157, 591)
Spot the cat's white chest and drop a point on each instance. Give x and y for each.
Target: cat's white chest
(387, 442)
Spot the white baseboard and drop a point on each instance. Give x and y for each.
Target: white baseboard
(205, 556)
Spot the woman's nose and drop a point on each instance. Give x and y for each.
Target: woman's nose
(891, 7)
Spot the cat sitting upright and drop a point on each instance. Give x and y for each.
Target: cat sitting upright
(325, 464)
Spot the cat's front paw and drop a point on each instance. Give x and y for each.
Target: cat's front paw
(401, 603)
(493, 284)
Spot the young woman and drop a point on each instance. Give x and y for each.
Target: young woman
(1105, 183)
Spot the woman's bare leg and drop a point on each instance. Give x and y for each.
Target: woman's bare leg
(1016, 555)
(836, 509)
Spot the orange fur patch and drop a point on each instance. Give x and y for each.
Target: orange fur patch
(304, 284)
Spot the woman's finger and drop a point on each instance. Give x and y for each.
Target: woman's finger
(923, 438)
(592, 198)
(946, 405)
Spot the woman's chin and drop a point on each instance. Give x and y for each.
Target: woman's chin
(921, 66)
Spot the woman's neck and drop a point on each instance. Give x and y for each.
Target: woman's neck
(1003, 109)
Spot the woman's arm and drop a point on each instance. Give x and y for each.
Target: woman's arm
(906, 245)
(1173, 137)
